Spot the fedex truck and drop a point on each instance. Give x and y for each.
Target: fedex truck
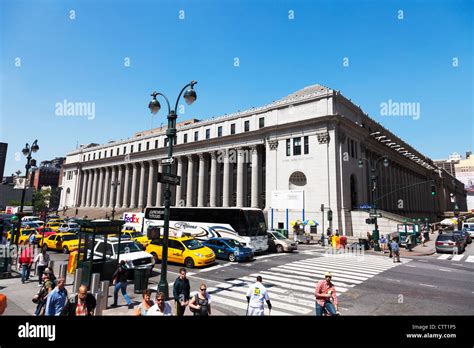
(133, 221)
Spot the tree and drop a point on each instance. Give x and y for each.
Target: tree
(41, 200)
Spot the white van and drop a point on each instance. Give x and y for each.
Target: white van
(469, 227)
(30, 218)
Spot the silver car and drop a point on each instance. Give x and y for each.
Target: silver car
(449, 242)
(279, 243)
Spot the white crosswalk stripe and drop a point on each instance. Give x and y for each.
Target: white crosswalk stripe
(455, 257)
(291, 286)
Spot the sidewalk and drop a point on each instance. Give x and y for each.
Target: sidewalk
(420, 250)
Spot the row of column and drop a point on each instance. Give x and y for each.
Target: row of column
(134, 185)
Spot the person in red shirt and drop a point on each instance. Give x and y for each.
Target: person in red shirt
(326, 298)
(25, 261)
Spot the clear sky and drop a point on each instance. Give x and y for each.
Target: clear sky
(48, 57)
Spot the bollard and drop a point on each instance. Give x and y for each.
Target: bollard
(98, 307)
(51, 265)
(95, 282)
(104, 288)
(62, 271)
(77, 280)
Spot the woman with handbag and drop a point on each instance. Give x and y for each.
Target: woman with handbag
(41, 296)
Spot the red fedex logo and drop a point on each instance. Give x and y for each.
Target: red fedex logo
(132, 218)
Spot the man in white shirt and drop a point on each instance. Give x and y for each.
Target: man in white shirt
(257, 294)
(160, 307)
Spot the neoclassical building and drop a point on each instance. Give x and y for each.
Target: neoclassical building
(287, 158)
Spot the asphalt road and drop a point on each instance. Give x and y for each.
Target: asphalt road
(366, 284)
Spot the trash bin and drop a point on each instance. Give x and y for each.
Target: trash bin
(140, 279)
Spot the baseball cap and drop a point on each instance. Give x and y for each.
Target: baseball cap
(327, 274)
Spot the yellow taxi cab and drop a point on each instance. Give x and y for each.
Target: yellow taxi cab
(24, 234)
(65, 242)
(54, 225)
(183, 250)
(136, 236)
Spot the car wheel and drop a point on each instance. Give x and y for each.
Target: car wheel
(231, 257)
(155, 256)
(189, 262)
(279, 249)
(65, 250)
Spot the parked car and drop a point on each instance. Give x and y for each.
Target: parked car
(449, 242)
(69, 227)
(31, 224)
(53, 225)
(229, 249)
(137, 237)
(183, 250)
(469, 227)
(279, 243)
(464, 236)
(129, 251)
(30, 218)
(46, 231)
(65, 242)
(24, 234)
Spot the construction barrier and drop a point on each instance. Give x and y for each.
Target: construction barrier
(72, 263)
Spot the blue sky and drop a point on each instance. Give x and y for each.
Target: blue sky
(82, 60)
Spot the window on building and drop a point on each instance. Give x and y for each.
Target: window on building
(99, 155)
(139, 147)
(93, 156)
(185, 138)
(196, 135)
(84, 158)
(124, 150)
(147, 145)
(156, 143)
(306, 145)
(246, 126)
(296, 146)
(355, 146)
(118, 151)
(131, 149)
(208, 133)
(219, 131)
(288, 147)
(232, 128)
(166, 142)
(261, 122)
(111, 152)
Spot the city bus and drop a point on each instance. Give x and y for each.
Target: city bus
(246, 225)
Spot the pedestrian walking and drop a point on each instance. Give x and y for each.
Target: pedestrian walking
(42, 260)
(42, 295)
(408, 244)
(395, 248)
(257, 295)
(25, 261)
(145, 305)
(56, 299)
(82, 304)
(323, 239)
(336, 241)
(181, 292)
(119, 279)
(326, 297)
(52, 277)
(161, 307)
(383, 243)
(200, 304)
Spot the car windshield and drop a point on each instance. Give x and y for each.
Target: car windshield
(128, 247)
(192, 244)
(445, 237)
(234, 243)
(73, 226)
(54, 224)
(135, 234)
(69, 237)
(32, 224)
(278, 235)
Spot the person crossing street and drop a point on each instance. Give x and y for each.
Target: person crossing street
(326, 298)
(257, 294)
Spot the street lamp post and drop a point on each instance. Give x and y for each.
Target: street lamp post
(154, 106)
(114, 184)
(373, 181)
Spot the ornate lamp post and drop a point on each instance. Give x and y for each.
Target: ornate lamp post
(373, 181)
(154, 106)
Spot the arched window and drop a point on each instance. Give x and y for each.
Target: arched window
(297, 179)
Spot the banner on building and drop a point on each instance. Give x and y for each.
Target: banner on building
(288, 199)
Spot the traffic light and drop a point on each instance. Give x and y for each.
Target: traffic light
(433, 190)
(370, 221)
(329, 215)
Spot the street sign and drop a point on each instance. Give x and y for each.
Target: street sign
(378, 215)
(154, 213)
(365, 206)
(169, 179)
(167, 161)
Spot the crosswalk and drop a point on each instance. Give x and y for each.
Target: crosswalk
(458, 258)
(291, 286)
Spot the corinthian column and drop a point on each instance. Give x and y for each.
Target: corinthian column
(151, 182)
(201, 182)
(189, 191)
(226, 180)
(255, 184)
(213, 181)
